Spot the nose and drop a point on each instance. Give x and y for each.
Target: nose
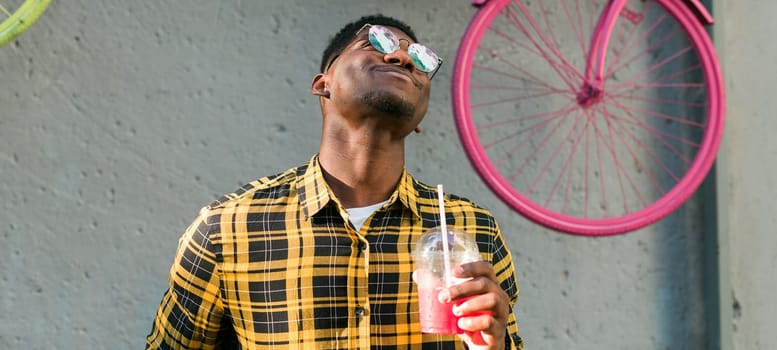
(401, 57)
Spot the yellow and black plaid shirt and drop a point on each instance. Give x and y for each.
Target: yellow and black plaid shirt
(278, 265)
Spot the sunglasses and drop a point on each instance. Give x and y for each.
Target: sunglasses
(385, 41)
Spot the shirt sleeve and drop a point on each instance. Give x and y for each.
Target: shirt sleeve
(190, 314)
(502, 260)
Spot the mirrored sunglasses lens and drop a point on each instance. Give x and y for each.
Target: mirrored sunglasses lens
(424, 58)
(383, 39)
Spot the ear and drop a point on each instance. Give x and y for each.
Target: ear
(320, 85)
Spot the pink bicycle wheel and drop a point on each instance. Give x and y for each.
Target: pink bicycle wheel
(589, 160)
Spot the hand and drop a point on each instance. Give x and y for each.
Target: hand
(483, 315)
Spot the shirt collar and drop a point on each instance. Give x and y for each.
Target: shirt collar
(407, 192)
(314, 193)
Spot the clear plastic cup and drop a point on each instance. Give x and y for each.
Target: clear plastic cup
(429, 276)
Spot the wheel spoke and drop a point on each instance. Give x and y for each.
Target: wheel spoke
(667, 117)
(659, 135)
(647, 150)
(531, 77)
(5, 11)
(660, 82)
(620, 168)
(657, 100)
(601, 177)
(545, 139)
(567, 163)
(577, 24)
(535, 129)
(512, 99)
(670, 59)
(553, 43)
(618, 62)
(638, 162)
(560, 68)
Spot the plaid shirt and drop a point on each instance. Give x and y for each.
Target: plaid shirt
(278, 265)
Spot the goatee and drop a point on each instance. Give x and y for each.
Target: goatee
(388, 103)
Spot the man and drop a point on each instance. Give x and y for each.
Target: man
(319, 256)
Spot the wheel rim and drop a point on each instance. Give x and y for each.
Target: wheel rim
(20, 19)
(612, 158)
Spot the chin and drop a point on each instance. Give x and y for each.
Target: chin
(389, 103)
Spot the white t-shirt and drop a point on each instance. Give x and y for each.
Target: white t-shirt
(357, 216)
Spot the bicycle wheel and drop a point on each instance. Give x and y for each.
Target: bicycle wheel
(585, 159)
(18, 16)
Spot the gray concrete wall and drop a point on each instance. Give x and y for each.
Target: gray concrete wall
(120, 119)
(751, 67)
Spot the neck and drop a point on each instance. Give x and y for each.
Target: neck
(361, 168)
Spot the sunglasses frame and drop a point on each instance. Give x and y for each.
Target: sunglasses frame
(430, 73)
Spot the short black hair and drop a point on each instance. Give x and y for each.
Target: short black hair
(344, 37)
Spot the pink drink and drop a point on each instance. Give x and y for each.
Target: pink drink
(430, 277)
(435, 316)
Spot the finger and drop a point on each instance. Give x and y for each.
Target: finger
(474, 287)
(485, 304)
(477, 323)
(473, 338)
(476, 269)
(480, 323)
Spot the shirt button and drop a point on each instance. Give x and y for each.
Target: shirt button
(362, 246)
(359, 311)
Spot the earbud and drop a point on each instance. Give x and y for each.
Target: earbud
(323, 93)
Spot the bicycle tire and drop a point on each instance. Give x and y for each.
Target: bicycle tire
(21, 19)
(679, 136)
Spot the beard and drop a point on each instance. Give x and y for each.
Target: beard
(388, 103)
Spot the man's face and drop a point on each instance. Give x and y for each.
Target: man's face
(366, 80)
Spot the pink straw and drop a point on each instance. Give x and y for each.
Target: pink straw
(446, 252)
